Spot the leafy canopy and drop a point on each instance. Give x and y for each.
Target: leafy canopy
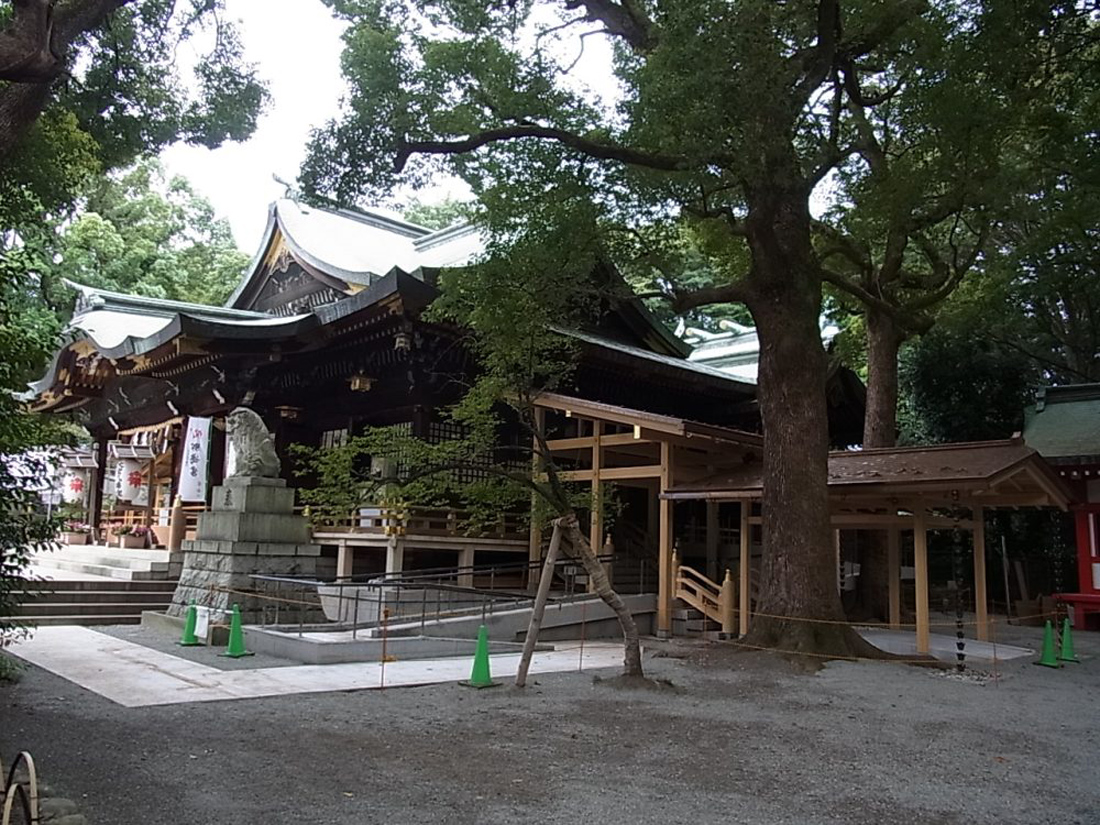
(140, 233)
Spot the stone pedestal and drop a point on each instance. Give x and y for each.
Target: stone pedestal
(250, 528)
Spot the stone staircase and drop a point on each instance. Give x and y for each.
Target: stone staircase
(108, 562)
(687, 621)
(91, 602)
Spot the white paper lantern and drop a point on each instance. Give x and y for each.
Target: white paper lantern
(74, 486)
(129, 483)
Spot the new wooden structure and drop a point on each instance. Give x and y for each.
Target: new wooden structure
(912, 489)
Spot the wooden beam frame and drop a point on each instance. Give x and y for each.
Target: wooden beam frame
(981, 598)
(744, 569)
(893, 572)
(920, 564)
(612, 473)
(665, 573)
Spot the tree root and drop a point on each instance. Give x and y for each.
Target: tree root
(823, 640)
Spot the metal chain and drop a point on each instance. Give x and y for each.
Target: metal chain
(957, 572)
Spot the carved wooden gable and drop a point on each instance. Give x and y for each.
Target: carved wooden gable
(286, 288)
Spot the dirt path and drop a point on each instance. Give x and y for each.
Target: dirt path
(740, 738)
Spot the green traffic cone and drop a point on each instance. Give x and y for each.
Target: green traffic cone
(235, 648)
(480, 676)
(189, 639)
(1066, 654)
(1048, 657)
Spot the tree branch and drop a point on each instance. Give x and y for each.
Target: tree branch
(681, 302)
(26, 50)
(591, 148)
(624, 19)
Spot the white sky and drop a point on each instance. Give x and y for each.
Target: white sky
(296, 44)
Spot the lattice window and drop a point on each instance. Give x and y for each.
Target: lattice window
(330, 439)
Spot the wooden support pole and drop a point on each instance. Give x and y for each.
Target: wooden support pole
(534, 539)
(664, 577)
(743, 603)
(539, 608)
(727, 604)
(920, 562)
(981, 603)
(395, 555)
(893, 572)
(712, 540)
(177, 527)
(839, 566)
(95, 517)
(595, 521)
(345, 560)
(466, 560)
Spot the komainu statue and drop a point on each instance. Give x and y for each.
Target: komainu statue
(252, 443)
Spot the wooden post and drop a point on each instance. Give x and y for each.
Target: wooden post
(744, 603)
(712, 540)
(981, 603)
(345, 560)
(534, 540)
(466, 559)
(95, 517)
(727, 604)
(920, 557)
(395, 555)
(893, 572)
(839, 566)
(595, 520)
(177, 526)
(532, 637)
(664, 580)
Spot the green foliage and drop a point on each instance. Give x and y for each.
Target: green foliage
(11, 669)
(131, 96)
(139, 233)
(129, 93)
(27, 331)
(959, 385)
(447, 212)
(123, 97)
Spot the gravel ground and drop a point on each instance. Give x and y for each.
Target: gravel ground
(737, 737)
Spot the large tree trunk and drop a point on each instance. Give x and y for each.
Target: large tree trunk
(880, 428)
(20, 106)
(632, 652)
(799, 606)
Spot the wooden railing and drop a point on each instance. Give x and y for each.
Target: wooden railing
(420, 521)
(718, 602)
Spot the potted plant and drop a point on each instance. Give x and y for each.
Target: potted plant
(76, 532)
(131, 536)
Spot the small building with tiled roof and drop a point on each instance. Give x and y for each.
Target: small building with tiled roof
(1063, 425)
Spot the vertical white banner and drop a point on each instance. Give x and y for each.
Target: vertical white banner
(196, 453)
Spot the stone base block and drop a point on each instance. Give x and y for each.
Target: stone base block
(248, 498)
(228, 525)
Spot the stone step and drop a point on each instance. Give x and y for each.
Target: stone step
(95, 552)
(46, 597)
(33, 610)
(105, 559)
(156, 572)
(118, 585)
(83, 620)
